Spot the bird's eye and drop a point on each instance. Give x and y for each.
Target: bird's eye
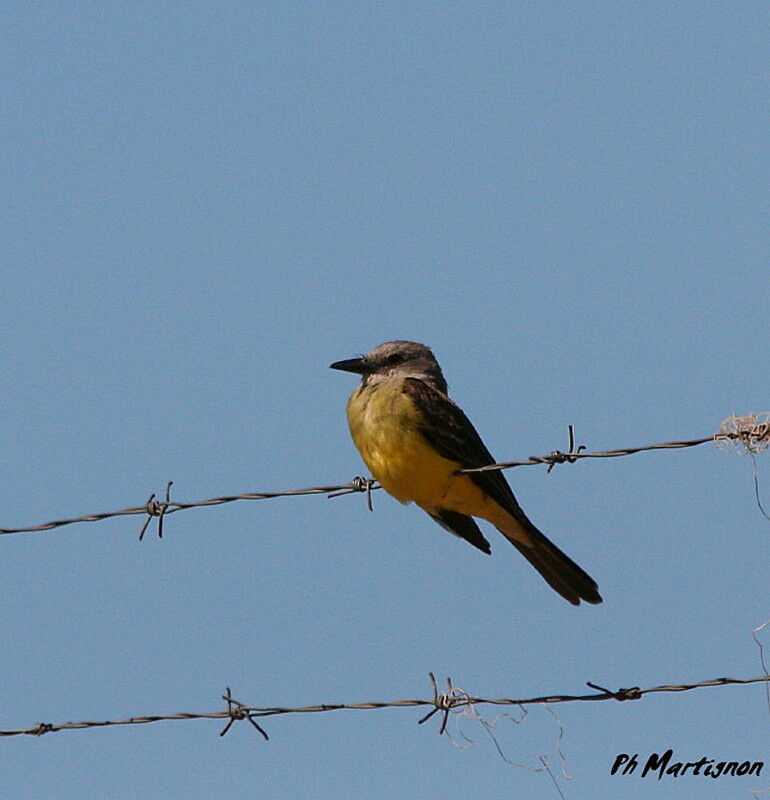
(394, 358)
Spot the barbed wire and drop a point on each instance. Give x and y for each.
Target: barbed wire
(445, 702)
(747, 434)
(162, 508)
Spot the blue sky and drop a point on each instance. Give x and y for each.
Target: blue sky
(206, 204)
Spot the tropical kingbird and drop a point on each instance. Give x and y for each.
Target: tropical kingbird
(414, 439)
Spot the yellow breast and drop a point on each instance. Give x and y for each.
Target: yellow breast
(384, 424)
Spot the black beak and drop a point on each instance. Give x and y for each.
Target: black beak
(357, 365)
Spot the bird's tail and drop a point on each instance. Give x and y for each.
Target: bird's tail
(558, 569)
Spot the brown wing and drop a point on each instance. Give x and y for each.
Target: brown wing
(452, 434)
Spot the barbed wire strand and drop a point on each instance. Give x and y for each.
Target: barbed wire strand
(441, 702)
(750, 433)
(756, 488)
(755, 636)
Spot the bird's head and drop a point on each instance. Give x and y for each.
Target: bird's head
(398, 359)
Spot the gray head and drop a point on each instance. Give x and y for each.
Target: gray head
(399, 359)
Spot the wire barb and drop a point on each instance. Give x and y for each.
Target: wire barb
(632, 693)
(443, 701)
(238, 711)
(749, 434)
(570, 457)
(156, 508)
(358, 484)
(40, 729)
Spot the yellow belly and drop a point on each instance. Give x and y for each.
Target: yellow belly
(384, 424)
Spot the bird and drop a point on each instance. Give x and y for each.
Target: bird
(415, 439)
